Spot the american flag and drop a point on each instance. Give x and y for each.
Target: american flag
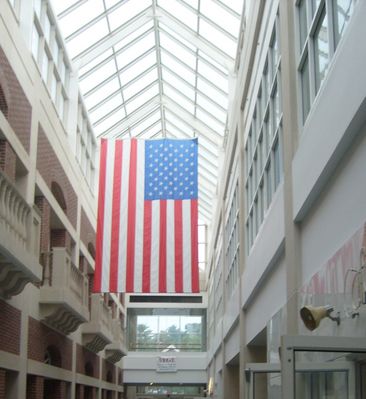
(147, 228)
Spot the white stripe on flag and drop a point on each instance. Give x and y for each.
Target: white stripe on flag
(170, 255)
(155, 240)
(186, 222)
(139, 231)
(123, 215)
(106, 252)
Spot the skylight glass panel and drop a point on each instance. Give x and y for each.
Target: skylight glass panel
(106, 108)
(96, 61)
(179, 123)
(192, 3)
(142, 98)
(204, 142)
(210, 121)
(186, 16)
(60, 6)
(134, 35)
(179, 68)
(127, 11)
(139, 127)
(131, 53)
(108, 123)
(178, 82)
(103, 92)
(137, 68)
(213, 93)
(173, 132)
(153, 132)
(81, 16)
(221, 16)
(98, 76)
(213, 76)
(139, 84)
(213, 109)
(178, 50)
(178, 98)
(87, 38)
(217, 38)
(236, 5)
(165, 28)
(212, 62)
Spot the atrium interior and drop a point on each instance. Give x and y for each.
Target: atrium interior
(275, 93)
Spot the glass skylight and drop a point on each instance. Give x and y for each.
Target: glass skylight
(156, 68)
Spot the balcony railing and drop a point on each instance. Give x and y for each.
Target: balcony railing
(19, 241)
(98, 332)
(64, 292)
(117, 349)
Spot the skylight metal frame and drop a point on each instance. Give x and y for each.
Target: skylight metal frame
(201, 114)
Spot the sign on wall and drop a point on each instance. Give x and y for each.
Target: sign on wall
(166, 364)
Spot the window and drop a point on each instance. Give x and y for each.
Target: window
(321, 26)
(47, 50)
(263, 149)
(342, 12)
(85, 149)
(321, 50)
(232, 239)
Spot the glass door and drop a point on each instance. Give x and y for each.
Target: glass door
(315, 367)
(263, 381)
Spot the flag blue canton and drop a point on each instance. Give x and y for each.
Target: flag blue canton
(171, 169)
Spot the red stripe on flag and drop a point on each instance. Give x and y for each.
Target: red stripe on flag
(100, 223)
(162, 247)
(147, 247)
(131, 218)
(116, 206)
(194, 243)
(178, 245)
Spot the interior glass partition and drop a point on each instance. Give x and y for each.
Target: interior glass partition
(315, 367)
(166, 330)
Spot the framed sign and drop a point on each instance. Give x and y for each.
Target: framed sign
(166, 364)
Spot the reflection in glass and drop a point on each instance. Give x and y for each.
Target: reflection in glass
(321, 46)
(342, 12)
(267, 385)
(303, 23)
(305, 88)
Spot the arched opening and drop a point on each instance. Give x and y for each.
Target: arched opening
(59, 195)
(52, 356)
(3, 103)
(91, 250)
(89, 369)
(109, 376)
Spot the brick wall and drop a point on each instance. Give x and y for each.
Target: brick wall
(51, 170)
(40, 337)
(35, 387)
(8, 160)
(19, 108)
(3, 103)
(109, 371)
(84, 356)
(9, 328)
(2, 383)
(87, 232)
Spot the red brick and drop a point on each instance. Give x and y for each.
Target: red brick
(8, 160)
(40, 337)
(84, 356)
(9, 328)
(52, 172)
(19, 109)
